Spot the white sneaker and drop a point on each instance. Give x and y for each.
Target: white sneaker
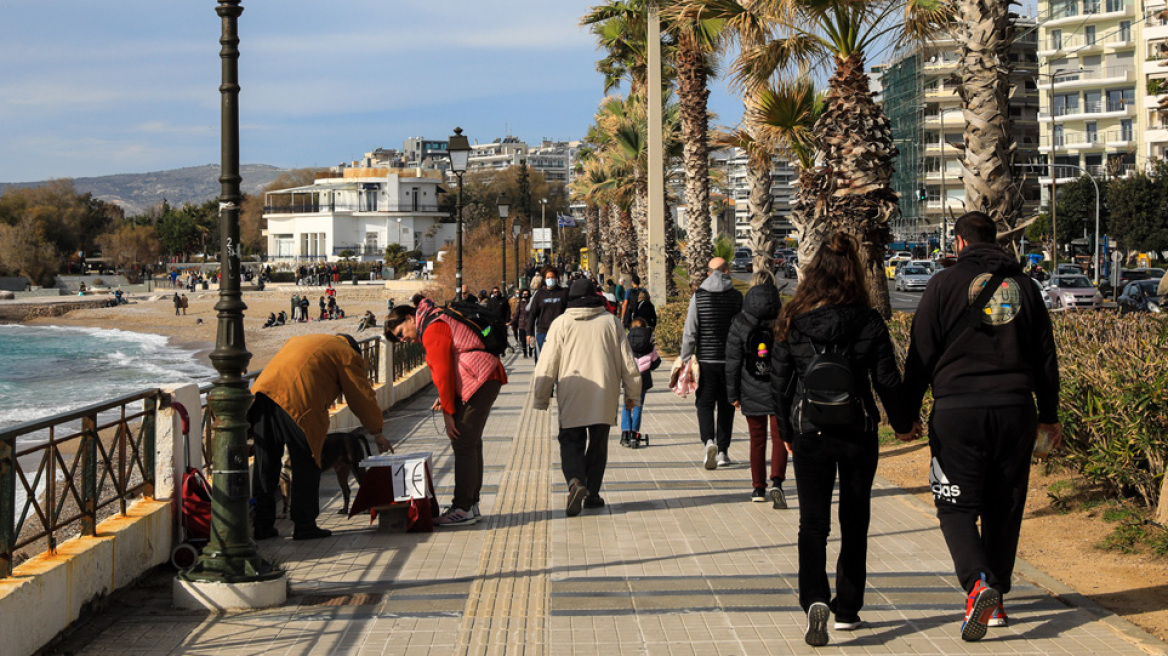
(849, 626)
(474, 510)
(456, 517)
(816, 632)
(724, 459)
(711, 454)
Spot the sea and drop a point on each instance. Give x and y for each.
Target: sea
(47, 370)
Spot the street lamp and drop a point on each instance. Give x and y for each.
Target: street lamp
(503, 208)
(515, 233)
(543, 225)
(230, 556)
(458, 148)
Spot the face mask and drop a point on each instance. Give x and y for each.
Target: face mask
(551, 282)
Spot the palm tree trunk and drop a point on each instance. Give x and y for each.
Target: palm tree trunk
(626, 242)
(670, 250)
(592, 236)
(692, 95)
(856, 145)
(758, 177)
(987, 163)
(640, 212)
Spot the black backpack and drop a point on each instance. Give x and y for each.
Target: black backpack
(760, 343)
(489, 326)
(828, 397)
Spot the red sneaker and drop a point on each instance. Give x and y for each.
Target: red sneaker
(979, 606)
(998, 618)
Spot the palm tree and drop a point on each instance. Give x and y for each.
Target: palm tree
(983, 31)
(850, 189)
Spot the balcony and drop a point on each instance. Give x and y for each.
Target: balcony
(1075, 43)
(941, 91)
(1087, 140)
(1092, 78)
(1101, 109)
(1076, 12)
(347, 208)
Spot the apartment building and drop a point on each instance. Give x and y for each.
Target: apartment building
(733, 195)
(1094, 102)
(919, 93)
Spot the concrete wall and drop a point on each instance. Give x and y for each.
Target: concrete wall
(49, 592)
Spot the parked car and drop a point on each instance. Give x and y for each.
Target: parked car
(891, 265)
(1071, 292)
(791, 268)
(912, 278)
(1069, 270)
(1139, 296)
(1154, 273)
(1125, 276)
(1045, 296)
(743, 261)
(781, 257)
(929, 265)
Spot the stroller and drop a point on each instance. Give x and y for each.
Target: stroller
(194, 505)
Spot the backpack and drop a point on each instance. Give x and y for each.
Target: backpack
(489, 326)
(759, 345)
(827, 392)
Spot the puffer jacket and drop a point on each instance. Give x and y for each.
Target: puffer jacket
(641, 342)
(762, 304)
(871, 354)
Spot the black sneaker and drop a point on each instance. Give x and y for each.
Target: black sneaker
(576, 495)
(594, 502)
(778, 499)
(816, 632)
(314, 533)
(265, 533)
(759, 495)
(624, 438)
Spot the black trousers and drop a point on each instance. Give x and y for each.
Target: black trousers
(980, 471)
(273, 430)
(471, 418)
(584, 455)
(817, 461)
(711, 397)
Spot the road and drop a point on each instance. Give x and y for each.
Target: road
(901, 301)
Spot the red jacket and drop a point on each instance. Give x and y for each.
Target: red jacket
(458, 364)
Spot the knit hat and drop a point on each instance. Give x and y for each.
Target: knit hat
(581, 288)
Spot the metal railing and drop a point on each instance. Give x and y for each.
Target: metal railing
(406, 358)
(360, 249)
(90, 459)
(321, 208)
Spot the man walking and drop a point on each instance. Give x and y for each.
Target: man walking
(707, 323)
(588, 360)
(291, 409)
(982, 338)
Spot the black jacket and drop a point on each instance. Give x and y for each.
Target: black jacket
(993, 365)
(762, 304)
(546, 305)
(870, 352)
(643, 310)
(641, 343)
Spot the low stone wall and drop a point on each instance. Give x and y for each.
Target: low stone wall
(18, 312)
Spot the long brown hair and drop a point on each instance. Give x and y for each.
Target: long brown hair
(833, 277)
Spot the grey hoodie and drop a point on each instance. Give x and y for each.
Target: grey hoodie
(715, 282)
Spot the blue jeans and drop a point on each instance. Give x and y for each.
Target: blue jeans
(540, 338)
(631, 419)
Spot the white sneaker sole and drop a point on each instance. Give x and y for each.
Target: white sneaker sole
(711, 456)
(816, 632)
(848, 626)
(466, 522)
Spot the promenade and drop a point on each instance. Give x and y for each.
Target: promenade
(679, 562)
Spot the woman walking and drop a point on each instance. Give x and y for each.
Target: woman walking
(831, 348)
(748, 384)
(641, 308)
(519, 322)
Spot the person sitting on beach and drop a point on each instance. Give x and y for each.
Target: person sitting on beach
(323, 309)
(367, 321)
(271, 321)
(281, 319)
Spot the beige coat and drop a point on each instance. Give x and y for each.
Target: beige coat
(588, 360)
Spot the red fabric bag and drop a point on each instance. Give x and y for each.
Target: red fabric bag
(196, 505)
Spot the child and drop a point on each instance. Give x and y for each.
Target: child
(641, 342)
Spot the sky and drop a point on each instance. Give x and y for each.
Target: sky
(99, 87)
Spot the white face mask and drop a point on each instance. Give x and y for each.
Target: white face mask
(550, 282)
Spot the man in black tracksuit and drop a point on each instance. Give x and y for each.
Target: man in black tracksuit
(985, 379)
(707, 323)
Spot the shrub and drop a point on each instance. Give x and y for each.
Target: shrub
(671, 325)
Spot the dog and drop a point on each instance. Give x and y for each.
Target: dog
(342, 453)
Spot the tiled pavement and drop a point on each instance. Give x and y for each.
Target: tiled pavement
(679, 562)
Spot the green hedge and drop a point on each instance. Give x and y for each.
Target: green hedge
(670, 326)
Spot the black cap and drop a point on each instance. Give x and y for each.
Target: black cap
(581, 288)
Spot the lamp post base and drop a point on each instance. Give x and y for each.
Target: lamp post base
(217, 596)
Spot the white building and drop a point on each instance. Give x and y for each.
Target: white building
(784, 178)
(357, 209)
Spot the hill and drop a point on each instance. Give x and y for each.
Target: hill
(137, 192)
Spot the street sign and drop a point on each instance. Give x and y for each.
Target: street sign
(1116, 257)
(542, 238)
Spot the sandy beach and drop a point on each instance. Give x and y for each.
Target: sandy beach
(157, 317)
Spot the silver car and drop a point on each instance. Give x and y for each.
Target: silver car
(1073, 293)
(911, 278)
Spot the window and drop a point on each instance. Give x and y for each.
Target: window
(1089, 35)
(371, 239)
(1116, 5)
(1125, 130)
(1059, 135)
(1093, 101)
(1092, 132)
(1056, 39)
(1090, 6)
(1124, 26)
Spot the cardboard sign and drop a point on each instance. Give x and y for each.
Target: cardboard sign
(408, 471)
